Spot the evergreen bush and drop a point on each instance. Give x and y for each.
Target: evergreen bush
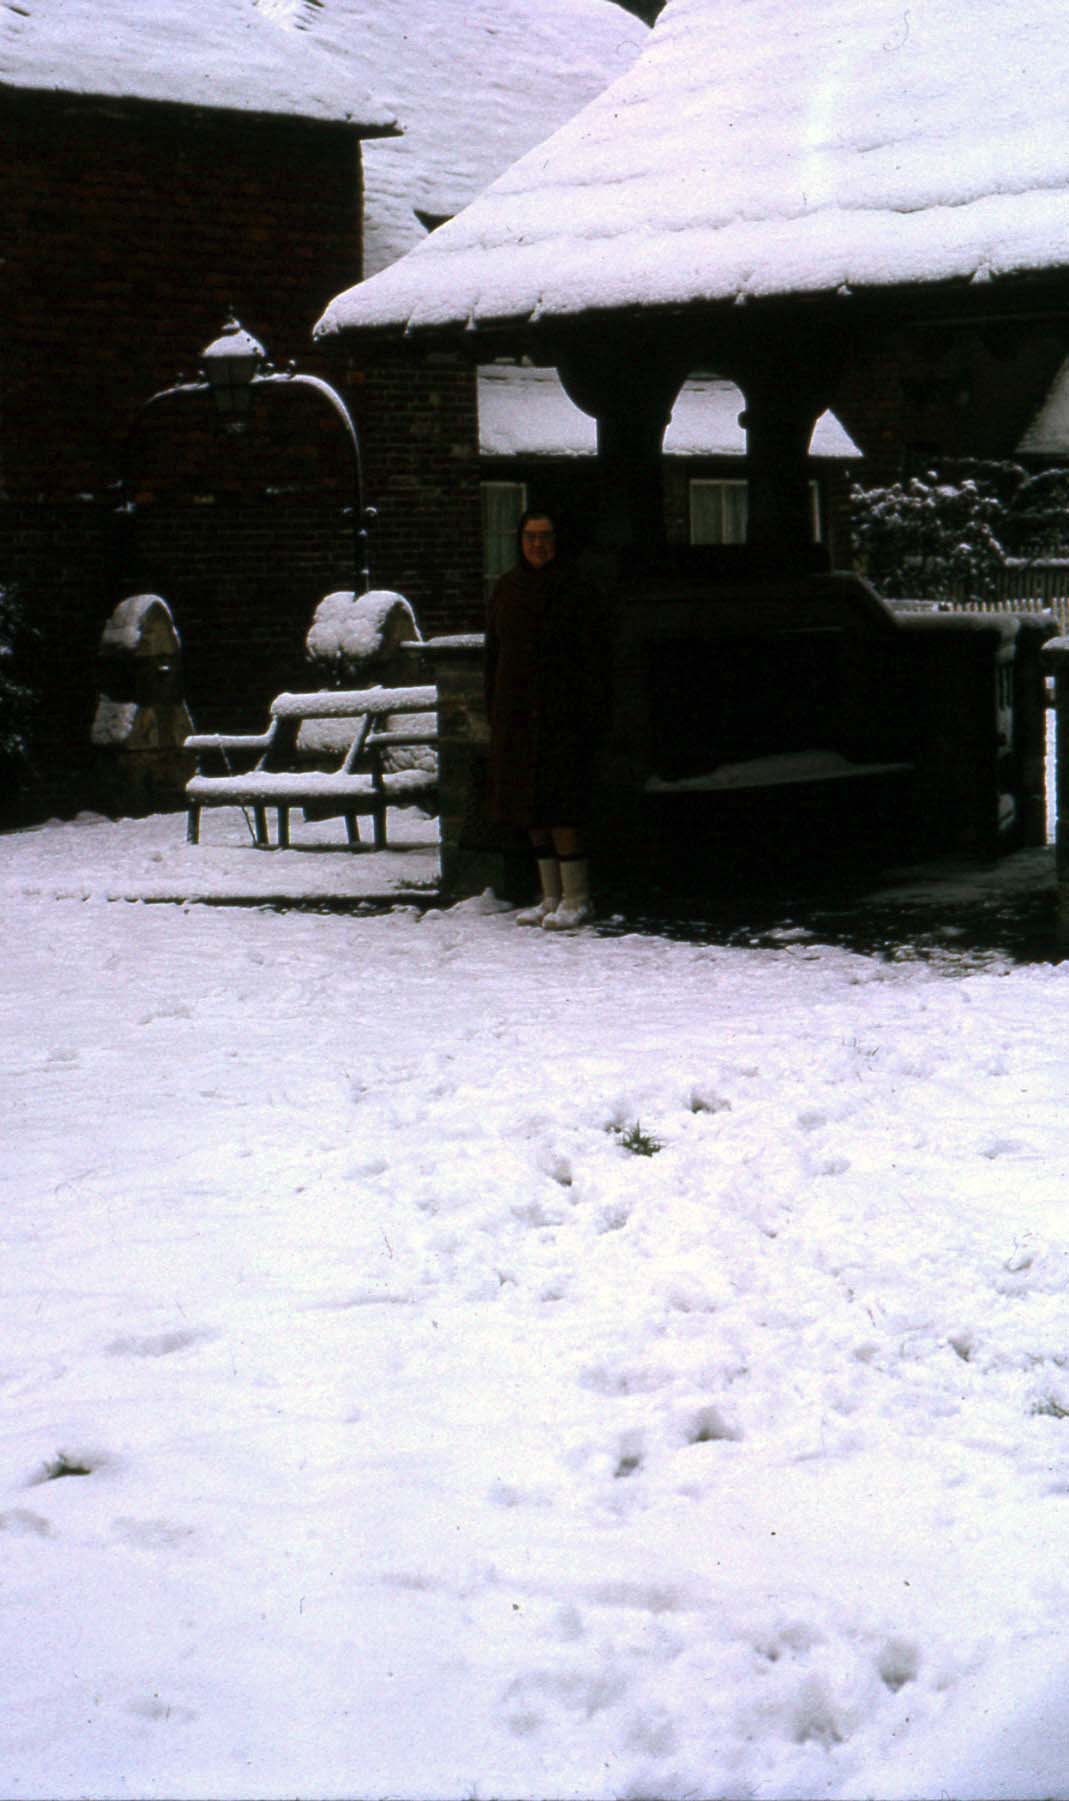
(947, 536)
(930, 539)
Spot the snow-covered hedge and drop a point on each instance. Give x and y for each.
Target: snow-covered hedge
(948, 535)
(929, 539)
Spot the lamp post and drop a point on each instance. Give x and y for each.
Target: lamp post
(232, 365)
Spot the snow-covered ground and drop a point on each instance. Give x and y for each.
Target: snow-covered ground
(376, 1422)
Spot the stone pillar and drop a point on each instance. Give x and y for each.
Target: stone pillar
(779, 421)
(1056, 658)
(475, 853)
(1034, 631)
(630, 390)
(787, 387)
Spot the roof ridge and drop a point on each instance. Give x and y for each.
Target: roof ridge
(224, 55)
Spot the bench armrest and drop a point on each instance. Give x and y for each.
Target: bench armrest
(227, 741)
(345, 703)
(388, 740)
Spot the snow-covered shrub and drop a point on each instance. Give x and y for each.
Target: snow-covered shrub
(16, 699)
(931, 539)
(1037, 516)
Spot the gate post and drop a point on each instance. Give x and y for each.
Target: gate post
(1056, 657)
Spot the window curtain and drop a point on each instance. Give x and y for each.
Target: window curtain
(503, 505)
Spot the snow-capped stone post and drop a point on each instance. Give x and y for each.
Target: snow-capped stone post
(1056, 657)
(141, 719)
(355, 639)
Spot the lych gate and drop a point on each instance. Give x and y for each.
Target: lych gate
(781, 210)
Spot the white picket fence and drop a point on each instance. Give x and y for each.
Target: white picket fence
(1026, 588)
(1030, 588)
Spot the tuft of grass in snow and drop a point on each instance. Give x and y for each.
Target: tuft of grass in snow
(632, 1138)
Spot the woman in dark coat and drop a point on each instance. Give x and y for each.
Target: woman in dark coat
(542, 697)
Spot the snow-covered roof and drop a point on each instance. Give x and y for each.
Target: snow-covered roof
(475, 83)
(221, 54)
(526, 412)
(1048, 433)
(767, 147)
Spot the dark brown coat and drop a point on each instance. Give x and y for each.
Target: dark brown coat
(544, 693)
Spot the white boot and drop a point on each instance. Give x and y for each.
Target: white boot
(549, 878)
(574, 907)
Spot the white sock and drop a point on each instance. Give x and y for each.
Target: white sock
(574, 905)
(549, 878)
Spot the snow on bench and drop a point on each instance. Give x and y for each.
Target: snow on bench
(359, 726)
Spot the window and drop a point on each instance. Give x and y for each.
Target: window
(503, 505)
(718, 512)
(816, 512)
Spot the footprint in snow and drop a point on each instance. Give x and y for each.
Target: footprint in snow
(899, 1662)
(631, 1455)
(159, 1344)
(709, 1426)
(154, 1707)
(150, 1535)
(706, 1100)
(1004, 1147)
(644, 1597)
(21, 1522)
(529, 1699)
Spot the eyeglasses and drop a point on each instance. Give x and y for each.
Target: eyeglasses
(538, 537)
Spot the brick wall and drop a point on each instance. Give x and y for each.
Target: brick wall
(927, 392)
(136, 229)
(242, 579)
(418, 424)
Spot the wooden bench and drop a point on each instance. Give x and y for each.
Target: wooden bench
(326, 752)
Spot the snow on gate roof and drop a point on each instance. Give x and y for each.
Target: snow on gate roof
(763, 147)
(225, 55)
